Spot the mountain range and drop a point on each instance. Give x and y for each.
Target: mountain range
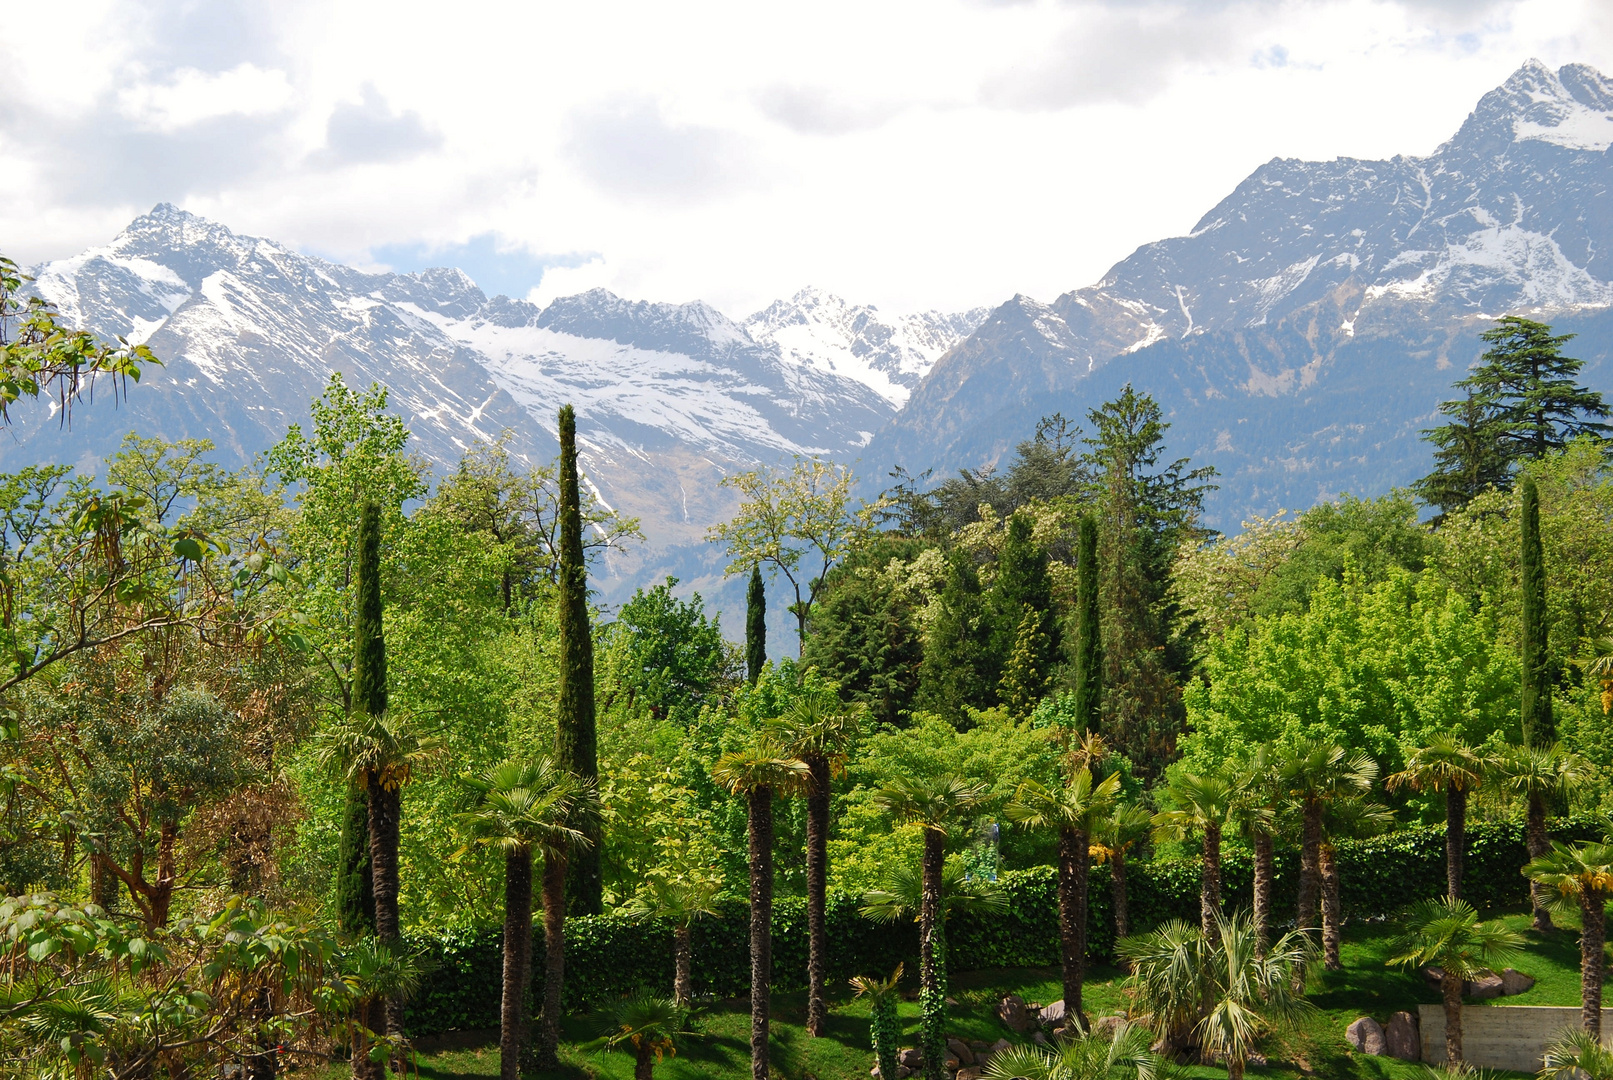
(1298, 339)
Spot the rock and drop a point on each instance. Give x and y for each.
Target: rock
(961, 1051)
(1514, 981)
(1488, 986)
(996, 1048)
(1039, 1039)
(903, 1072)
(1403, 1039)
(969, 1072)
(949, 1063)
(874, 1071)
(1366, 1035)
(1256, 1058)
(1104, 1026)
(909, 1058)
(1012, 1011)
(1052, 1015)
(977, 1045)
(1433, 975)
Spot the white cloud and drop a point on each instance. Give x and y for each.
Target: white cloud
(570, 280)
(190, 96)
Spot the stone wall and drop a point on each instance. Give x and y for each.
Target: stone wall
(1503, 1036)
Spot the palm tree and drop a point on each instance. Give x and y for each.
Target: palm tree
(1578, 1056)
(1596, 660)
(1127, 825)
(680, 898)
(758, 772)
(1123, 1054)
(1343, 819)
(1308, 776)
(1583, 873)
(1254, 817)
(1446, 933)
(1218, 992)
(1447, 764)
(1072, 812)
(1538, 774)
(885, 1026)
(901, 895)
(522, 807)
(647, 1023)
(819, 729)
(1200, 806)
(936, 805)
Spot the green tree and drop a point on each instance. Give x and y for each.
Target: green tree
(1528, 386)
(800, 523)
(1583, 874)
(520, 808)
(1127, 825)
(1073, 812)
(1255, 815)
(959, 669)
(1024, 623)
(663, 655)
(576, 740)
(937, 805)
(1540, 774)
(1579, 1055)
(1122, 1054)
(1309, 776)
(758, 772)
(819, 730)
(679, 896)
(886, 1028)
(1342, 819)
(1088, 631)
(755, 624)
(1448, 765)
(1469, 458)
(1538, 729)
(1446, 933)
(649, 1025)
(1201, 806)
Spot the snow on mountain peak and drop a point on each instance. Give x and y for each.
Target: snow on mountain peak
(1571, 107)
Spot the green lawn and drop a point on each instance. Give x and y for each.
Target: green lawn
(1316, 1048)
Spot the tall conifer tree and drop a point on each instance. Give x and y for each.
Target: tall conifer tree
(576, 743)
(1088, 632)
(1537, 723)
(355, 894)
(755, 625)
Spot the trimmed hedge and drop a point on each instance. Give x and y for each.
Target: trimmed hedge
(608, 956)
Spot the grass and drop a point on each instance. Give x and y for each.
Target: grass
(1313, 1048)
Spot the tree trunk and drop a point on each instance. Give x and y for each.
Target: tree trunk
(682, 966)
(1262, 906)
(371, 1015)
(1455, 839)
(1450, 989)
(554, 959)
(817, 873)
(384, 805)
(644, 1061)
(1073, 857)
(517, 957)
(761, 926)
(1210, 885)
(932, 995)
(265, 1064)
(1117, 892)
(162, 890)
(1328, 865)
(1234, 1068)
(1535, 837)
(1592, 937)
(1310, 875)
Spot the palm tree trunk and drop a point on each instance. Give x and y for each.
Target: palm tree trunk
(1534, 835)
(384, 813)
(1263, 876)
(554, 959)
(1450, 989)
(1117, 893)
(644, 1062)
(1310, 874)
(1234, 1068)
(1328, 865)
(1210, 885)
(1592, 939)
(761, 925)
(371, 1016)
(932, 995)
(817, 872)
(1455, 839)
(682, 966)
(517, 956)
(1073, 856)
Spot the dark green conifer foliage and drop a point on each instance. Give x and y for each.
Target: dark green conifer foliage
(355, 893)
(1467, 455)
(1528, 386)
(959, 668)
(1025, 630)
(355, 889)
(755, 625)
(576, 742)
(1538, 729)
(1088, 632)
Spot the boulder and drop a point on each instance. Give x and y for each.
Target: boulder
(1104, 1026)
(949, 1063)
(1052, 1015)
(1514, 981)
(1403, 1039)
(909, 1058)
(1488, 986)
(969, 1072)
(1013, 1012)
(1367, 1036)
(961, 1051)
(977, 1045)
(995, 1048)
(1433, 975)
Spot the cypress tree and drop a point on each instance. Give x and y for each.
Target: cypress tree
(1536, 711)
(1088, 631)
(1025, 631)
(755, 625)
(576, 744)
(370, 699)
(355, 893)
(959, 668)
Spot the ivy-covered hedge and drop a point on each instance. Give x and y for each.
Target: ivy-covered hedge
(608, 956)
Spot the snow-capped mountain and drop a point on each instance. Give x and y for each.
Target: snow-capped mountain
(1309, 324)
(892, 356)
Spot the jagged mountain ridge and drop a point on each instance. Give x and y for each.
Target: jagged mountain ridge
(1302, 274)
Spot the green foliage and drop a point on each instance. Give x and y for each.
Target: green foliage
(576, 743)
(1088, 631)
(755, 624)
(663, 655)
(1537, 680)
(886, 1029)
(959, 668)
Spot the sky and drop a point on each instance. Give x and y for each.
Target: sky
(915, 155)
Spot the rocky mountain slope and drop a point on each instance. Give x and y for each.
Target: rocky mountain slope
(1307, 327)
